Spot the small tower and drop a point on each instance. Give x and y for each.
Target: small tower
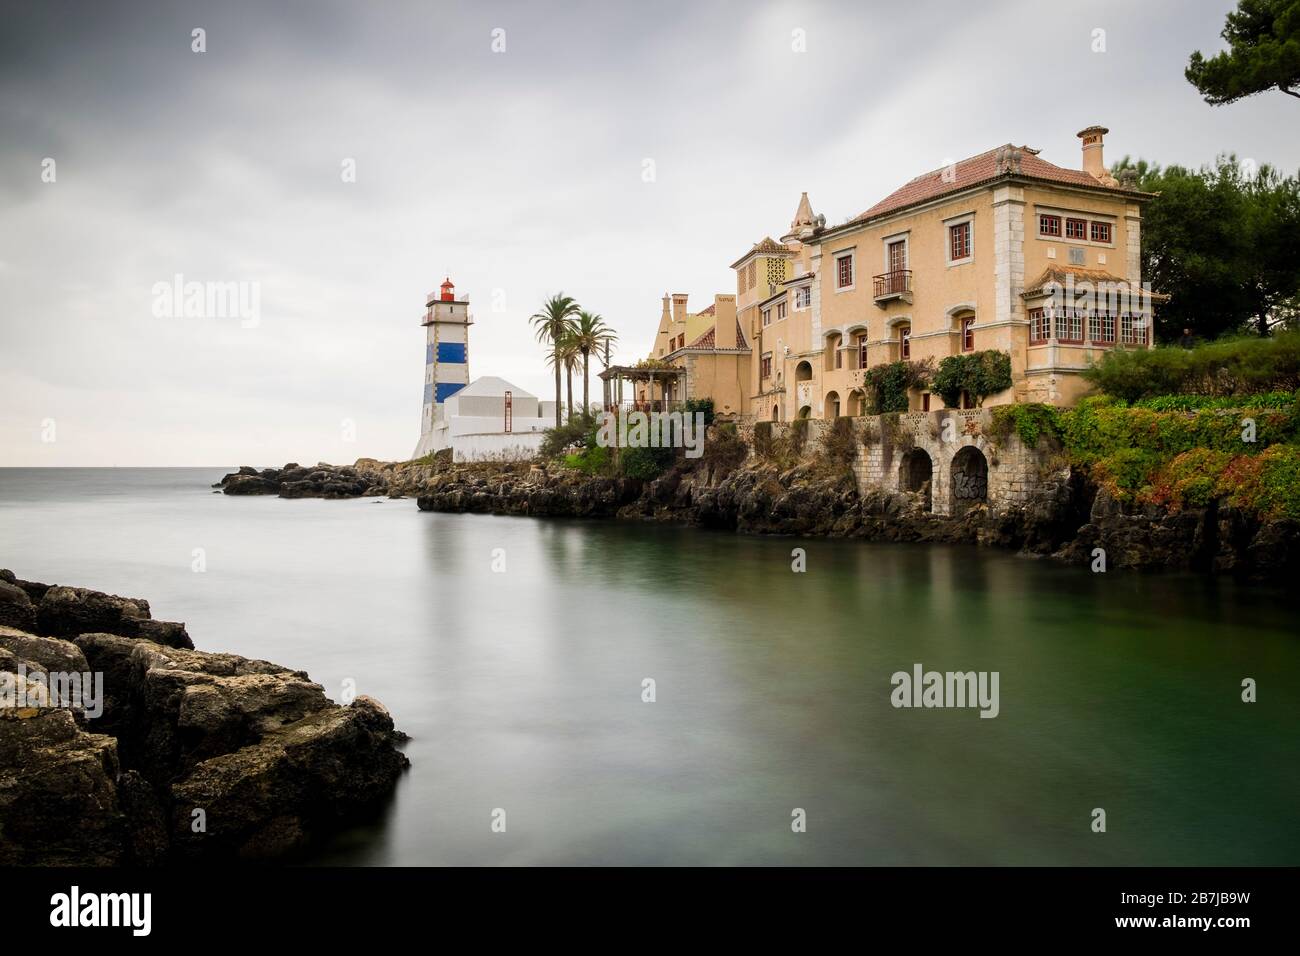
(446, 361)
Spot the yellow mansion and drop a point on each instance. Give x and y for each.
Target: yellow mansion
(1002, 251)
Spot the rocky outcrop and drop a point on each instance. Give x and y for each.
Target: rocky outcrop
(367, 478)
(191, 755)
(1066, 517)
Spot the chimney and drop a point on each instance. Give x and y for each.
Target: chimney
(724, 322)
(666, 318)
(679, 308)
(1092, 138)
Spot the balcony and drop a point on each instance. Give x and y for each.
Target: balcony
(893, 285)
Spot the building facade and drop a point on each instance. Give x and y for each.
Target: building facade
(1001, 251)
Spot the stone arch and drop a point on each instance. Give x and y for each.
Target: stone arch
(832, 405)
(776, 413)
(805, 412)
(857, 402)
(916, 474)
(803, 371)
(968, 480)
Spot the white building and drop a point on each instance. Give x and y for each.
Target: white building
(485, 420)
(491, 419)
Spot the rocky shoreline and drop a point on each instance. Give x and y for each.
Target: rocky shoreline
(1067, 518)
(183, 755)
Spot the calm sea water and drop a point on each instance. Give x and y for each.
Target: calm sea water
(522, 690)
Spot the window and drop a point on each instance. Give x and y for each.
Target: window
(1039, 330)
(780, 311)
(905, 341)
(925, 401)
(1077, 256)
(1132, 329)
(1076, 229)
(1101, 232)
(959, 241)
(1049, 225)
(968, 334)
(897, 255)
(766, 366)
(1069, 325)
(767, 316)
(803, 297)
(844, 272)
(839, 358)
(1102, 328)
(862, 351)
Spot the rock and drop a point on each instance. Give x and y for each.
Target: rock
(67, 612)
(269, 798)
(16, 608)
(58, 797)
(250, 485)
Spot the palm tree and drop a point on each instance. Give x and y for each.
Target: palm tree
(553, 323)
(590, 334)
(566, 355)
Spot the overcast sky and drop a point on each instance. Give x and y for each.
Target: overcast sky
(518, 173)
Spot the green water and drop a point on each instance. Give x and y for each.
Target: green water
(522, 689)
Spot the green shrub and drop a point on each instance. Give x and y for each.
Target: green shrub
(763, 439)
(580, 430)
(705, 405)
(1229, 367)
(1127, 473)
(978, 374)
(645, 463)
(726, 450)
(1267, 484)
(1190, 479)
(887, 385)
(1030, 422)
(1188, 403)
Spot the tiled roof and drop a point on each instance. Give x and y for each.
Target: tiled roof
(975, 170)
(767, 244)
(708, 311)
(1061, 275)
(706, 340)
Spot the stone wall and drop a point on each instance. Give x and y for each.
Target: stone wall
(897, 452)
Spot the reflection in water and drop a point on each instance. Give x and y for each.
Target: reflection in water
(522, 689)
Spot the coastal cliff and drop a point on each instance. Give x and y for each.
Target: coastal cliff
(181, 755)
(1067, 516)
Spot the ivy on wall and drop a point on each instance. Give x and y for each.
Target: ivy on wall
(978, 374)
(887, 385)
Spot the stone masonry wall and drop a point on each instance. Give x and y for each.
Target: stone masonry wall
(999, 471)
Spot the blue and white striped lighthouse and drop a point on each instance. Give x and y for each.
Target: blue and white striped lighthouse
(446, 358)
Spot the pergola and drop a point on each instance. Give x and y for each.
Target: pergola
(670, 378)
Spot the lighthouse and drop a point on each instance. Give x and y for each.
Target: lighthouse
(446, 359)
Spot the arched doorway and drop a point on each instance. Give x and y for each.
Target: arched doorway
(834, 357)
(915, 473)
(970, 479)
(857, 402)
(805, 412)
(776, 413)
(832, 405)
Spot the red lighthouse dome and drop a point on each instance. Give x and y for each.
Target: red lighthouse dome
(448, 290)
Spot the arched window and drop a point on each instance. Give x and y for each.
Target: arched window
(834, 357)
(905, 342)
(832, 405)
